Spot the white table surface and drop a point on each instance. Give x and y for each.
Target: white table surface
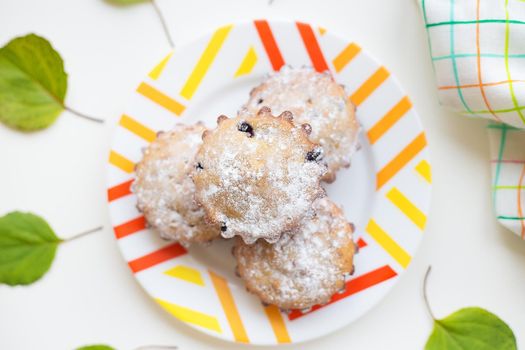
(90, 296)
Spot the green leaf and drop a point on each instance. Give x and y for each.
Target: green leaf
(33, 83)
(27, 248)
(125, 2)
(96, 347)
(471, 328)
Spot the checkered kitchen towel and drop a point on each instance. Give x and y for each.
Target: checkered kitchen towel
(478, 52)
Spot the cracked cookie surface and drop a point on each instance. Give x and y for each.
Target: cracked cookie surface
(316, 99)
(165, 192)
(305, 267)
(257, 176)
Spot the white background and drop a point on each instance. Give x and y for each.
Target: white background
(90, 296)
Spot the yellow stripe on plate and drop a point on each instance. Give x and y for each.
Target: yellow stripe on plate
(407, 207)
(248, 62)
(388, 244)
(186, 273)
(137, 128)
(229, 307)
(159, 68)
(191, 316)
(277, 322)
(205, 61)
(160, 98)
(121, 162)
(423, 168)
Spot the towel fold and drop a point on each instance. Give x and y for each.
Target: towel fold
(478, 53)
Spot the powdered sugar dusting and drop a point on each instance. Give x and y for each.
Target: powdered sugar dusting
(306, 266)
(259, 185)
(165, 192)
(316, 99)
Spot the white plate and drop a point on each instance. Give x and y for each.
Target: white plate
(386, 191)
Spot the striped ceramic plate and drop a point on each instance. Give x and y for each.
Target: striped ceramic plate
(385, 193)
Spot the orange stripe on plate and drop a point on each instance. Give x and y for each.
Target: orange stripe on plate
(369, 86)
(160, 98)
(396, 164)
(120, 190)
(354, 286)
(137, 128)
(345, 56)
(130, 227)
(145, 262)
(312, 47)
(277, 322)
(121, 162)
(229, 307)
(383, 125)
(361, 243)
(269, 43)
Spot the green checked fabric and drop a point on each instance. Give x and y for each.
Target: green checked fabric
(478, 53)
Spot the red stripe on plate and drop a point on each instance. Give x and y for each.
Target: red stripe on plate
(361, 243)
(353, 286)
(145, 262)
(119, 191)
(312, 46)
(130, 227)
(269, 43)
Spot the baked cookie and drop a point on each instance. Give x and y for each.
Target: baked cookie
(165, 192)
(305, 267)
(257, 176)
(316, 99)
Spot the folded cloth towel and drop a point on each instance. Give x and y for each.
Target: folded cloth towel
(478, 52)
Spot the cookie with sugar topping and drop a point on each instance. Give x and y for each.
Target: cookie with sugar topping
(304, 268)
(257, 176)
(165, 192)
(316, 99)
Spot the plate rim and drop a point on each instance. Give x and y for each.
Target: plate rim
(424, 207)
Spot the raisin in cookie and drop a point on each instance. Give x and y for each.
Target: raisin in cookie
(165, 192)
(316, 99)
(257, 176)
(304, 268)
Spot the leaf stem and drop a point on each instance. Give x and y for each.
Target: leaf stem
(163, 22)
(82, 234)
(82, 115)
(425, 281)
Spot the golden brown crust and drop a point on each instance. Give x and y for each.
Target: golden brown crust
(257, 176)
(305, 267)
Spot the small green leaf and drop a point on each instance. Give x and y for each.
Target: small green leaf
(471, 328)
(125, 2)
(96, 347)
(33, 83)
(27, 248)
